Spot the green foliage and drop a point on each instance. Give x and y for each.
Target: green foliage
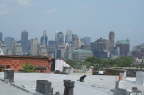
(75, 64)
(97, 63)
(122, 62)
(101, 63)
(28, 67)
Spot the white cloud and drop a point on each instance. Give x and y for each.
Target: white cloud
(24, 2)
(51, 11)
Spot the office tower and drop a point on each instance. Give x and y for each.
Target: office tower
(60, 45)
(9, 43)
(76, 43)
(112, 38)
(34, 47)
(18, 49)
(138, 51)
(68, 51)
(43, 51)
(25, 42)
(52, 48)
(60, 53)
(1, 36)
(44, 39)
(68, 37)
(123, 47)
(101, 47)
(86, 40)
(59, 38)
(24, 36)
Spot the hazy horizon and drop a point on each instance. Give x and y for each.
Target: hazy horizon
(95, 18)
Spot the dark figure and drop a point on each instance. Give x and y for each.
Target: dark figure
(82, 78)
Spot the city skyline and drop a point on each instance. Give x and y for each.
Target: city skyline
(64, 34)
(85, 18)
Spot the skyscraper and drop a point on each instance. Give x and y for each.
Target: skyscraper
(1, 36)
(44, 39)
(123, 47)
(24, 35)
(60, 45)
(51, 48)
(59, 38)
(68, 37)
(76, 43)
(112, 37)
(101, 47)
(9, 42)
(18, 49)
(86, 40)
(34, 47)
(25, 42)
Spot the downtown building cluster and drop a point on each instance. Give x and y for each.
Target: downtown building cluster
(65, 46)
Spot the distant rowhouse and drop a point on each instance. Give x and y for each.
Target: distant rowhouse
(42, 64)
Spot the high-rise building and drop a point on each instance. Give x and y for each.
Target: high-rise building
(60, 53)
(44, 39)
(1, 36)
(25, 42)
(34, 47)
(138, 51)
(68, 37)
(101, 47)
(24, 35)
(86, 41)
(123, 47)
(18, 49)
(76, 43)
(60, 45)
(9, 42)
(59, 38)
(68, 51)
(112, 38)
(43, 51)
(52, 48)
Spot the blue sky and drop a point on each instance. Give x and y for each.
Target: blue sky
(94, 18)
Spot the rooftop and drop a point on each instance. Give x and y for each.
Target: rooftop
(7, 89)
(93, 85)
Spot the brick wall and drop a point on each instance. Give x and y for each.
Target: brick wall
(16, 62)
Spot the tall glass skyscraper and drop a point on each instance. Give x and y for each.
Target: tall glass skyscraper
(59, 38)
(25, 42)
(68, 37)
(1, 36)
(44, 39)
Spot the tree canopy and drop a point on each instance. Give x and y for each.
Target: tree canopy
(100, 63)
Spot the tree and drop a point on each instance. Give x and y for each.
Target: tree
(124, 61)
(28, 67)
(97, 63)
(75, 64)
(101, 63)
